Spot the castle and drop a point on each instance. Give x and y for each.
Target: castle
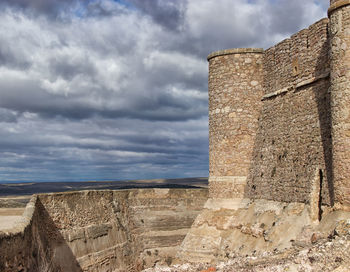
(279, 173)
(279, 119)
(279, 143)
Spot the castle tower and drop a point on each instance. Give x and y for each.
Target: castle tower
(235, 91)
(339, 31)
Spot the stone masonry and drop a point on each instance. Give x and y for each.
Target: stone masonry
(279, 144)
(339, 31)
(235, 89)
(279, 177)
(102, 231)
(279, 147)
(279, 118)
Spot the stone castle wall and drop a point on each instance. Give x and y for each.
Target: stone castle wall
(339, 31)
(279, 119)
(293, 142)
(279, 127)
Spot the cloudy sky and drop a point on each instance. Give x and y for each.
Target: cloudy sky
(110, 90)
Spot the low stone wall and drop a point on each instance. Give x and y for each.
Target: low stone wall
(101, 230)
(16, 252)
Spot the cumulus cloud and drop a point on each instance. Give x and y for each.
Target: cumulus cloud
(104, 89)
(51, 8)
(169, 14)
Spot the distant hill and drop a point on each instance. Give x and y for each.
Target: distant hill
(22, 189)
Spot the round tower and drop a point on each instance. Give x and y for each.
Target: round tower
(235, 91)
(339, 31)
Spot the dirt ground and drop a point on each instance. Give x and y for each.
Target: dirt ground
(9, 217)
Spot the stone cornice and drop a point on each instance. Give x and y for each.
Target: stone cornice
(338, 4)
(299, 85)
(235, 51)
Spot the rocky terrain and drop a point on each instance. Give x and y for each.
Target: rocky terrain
(331, 254)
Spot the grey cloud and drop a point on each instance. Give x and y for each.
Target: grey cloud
(225, 24)
(104, 8)
(287, 16)
(8, 116)
(68, 68)
(187, 76)
(220, 25)
(168, 13)
(29, 96)
(51, 8)
(162, 154)
(323, 3)
(9, 58)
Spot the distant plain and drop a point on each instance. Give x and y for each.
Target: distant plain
(16, 195)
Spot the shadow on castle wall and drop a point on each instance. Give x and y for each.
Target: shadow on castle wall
(38, 247)
(53, 251)
(293, 144)
(325, 118)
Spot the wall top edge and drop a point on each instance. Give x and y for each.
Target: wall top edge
(235, 51)
(126, 191)
(25, 221)
(338, 4)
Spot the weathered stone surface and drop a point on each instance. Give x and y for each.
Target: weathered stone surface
(299, 244)
(101, 230)
(342, 228)
(279, 185)
(235, 89)
(340, 100)
(270, 120)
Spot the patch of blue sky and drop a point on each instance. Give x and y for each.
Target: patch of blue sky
(125, 3)
(80, 9)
